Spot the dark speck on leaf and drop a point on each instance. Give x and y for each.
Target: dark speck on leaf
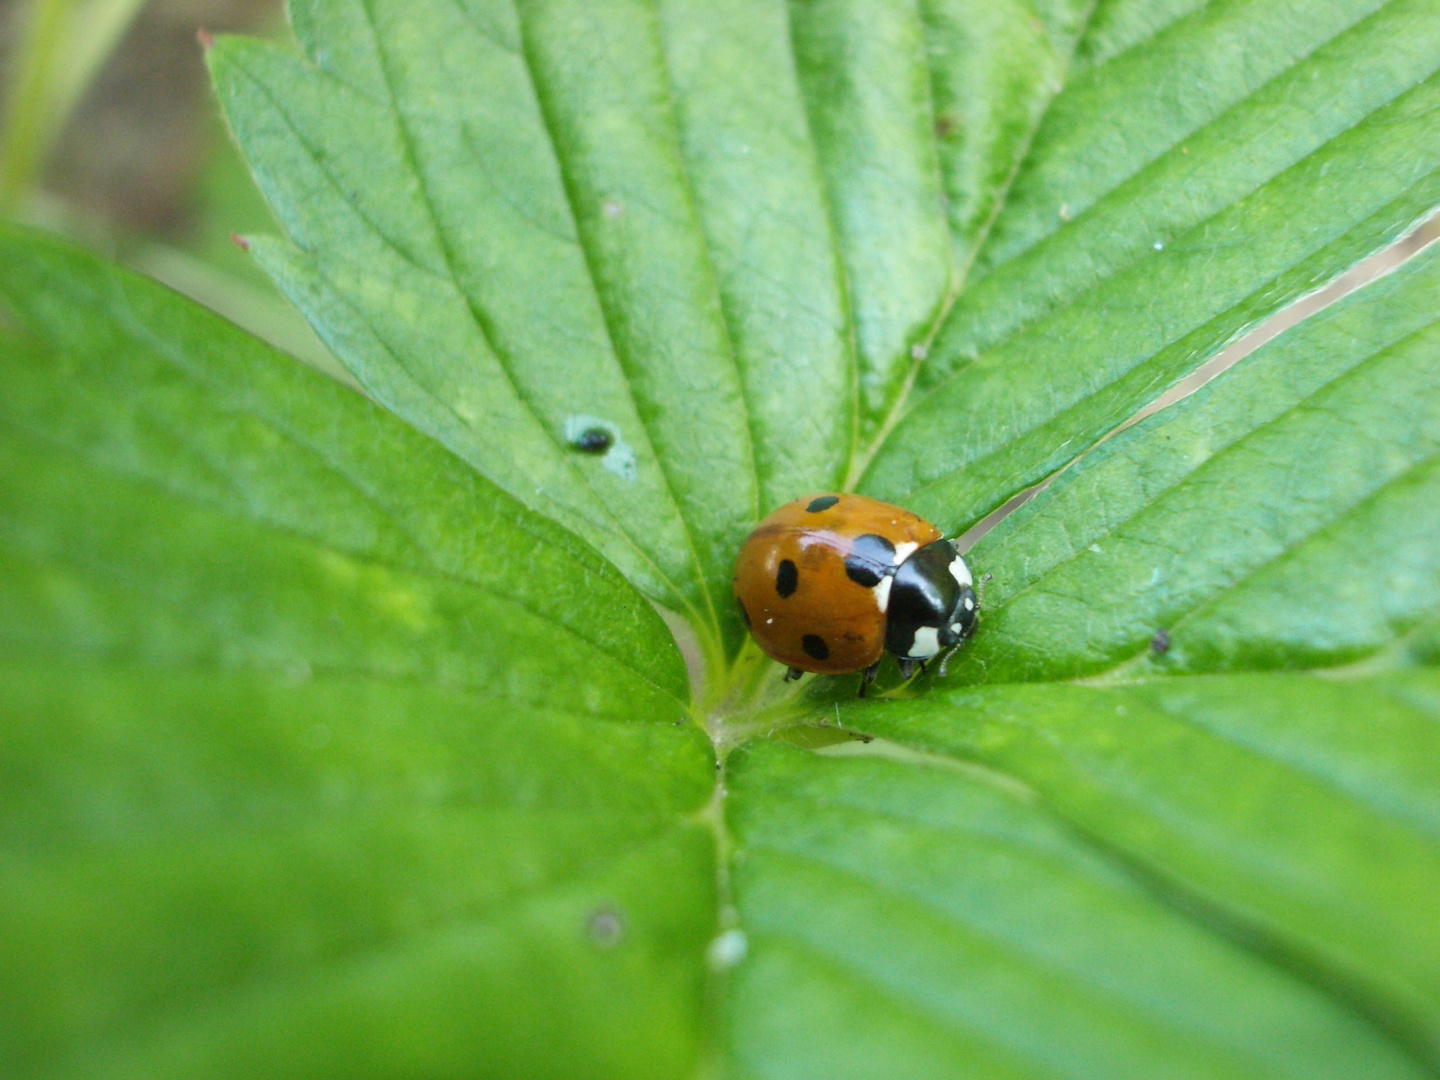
(1160, 643)
(593, 440)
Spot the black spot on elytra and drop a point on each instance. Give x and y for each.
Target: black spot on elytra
(786, 578)
(824, 502)
(744, 615)
(593, 440)
(815, 647)
(873, 558)
(862, 572)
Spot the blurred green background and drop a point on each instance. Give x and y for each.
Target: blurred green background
(109, 135)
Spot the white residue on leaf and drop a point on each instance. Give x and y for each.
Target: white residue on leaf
(727, 950)
(605, 927)
(619, 458)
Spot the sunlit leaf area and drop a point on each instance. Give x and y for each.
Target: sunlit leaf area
(373, 699)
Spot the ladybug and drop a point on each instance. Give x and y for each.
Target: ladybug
(829, 583)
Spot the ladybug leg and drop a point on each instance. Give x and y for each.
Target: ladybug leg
(922, 667)
(907, 668)
(794, 674)
(869, 676)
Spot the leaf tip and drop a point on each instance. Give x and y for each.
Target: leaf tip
(206, 39)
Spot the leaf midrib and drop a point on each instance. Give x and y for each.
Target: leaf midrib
(904, 406)
(959, 275)
(708, 632)
(1141, 167)
(476, 316)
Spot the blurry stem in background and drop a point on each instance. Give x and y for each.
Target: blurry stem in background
(28, 97)
(60, 46)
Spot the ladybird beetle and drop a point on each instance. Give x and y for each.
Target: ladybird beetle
(829, 583)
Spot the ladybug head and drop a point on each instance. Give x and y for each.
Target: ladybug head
(962, 618)
(932, 603)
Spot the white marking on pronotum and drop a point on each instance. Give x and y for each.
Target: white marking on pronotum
(969, 604)
(905, 550)
(882, 592)
(926, 643)
(727, 950)
(961, 573)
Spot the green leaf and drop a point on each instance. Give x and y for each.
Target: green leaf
(1315, 462)
(280, 677)
(1251, 799)
(863, 66)
(338, 744)
(1178, 192)
(763, 205)
(1283, 516)
(123, 412)
(920, 916)
(241, 874)
(570, 289)
(993, 69)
